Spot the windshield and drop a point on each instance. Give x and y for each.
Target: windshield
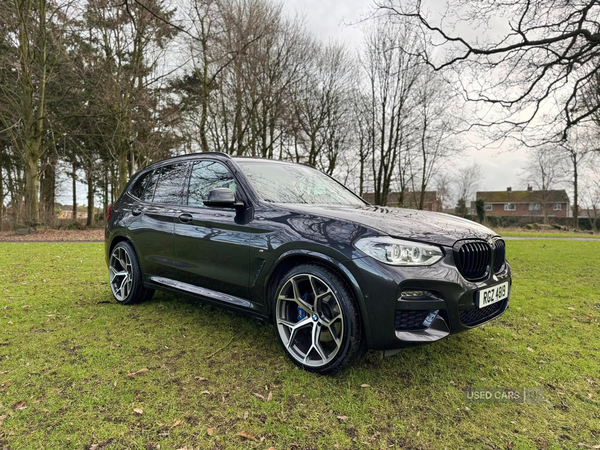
(292, 183)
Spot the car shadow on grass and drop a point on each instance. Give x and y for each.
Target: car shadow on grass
(459, 359)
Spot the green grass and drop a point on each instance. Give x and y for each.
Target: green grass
(544, 234)
(66, 350)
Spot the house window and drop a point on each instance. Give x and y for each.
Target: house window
(557, 207)
(534, 207)
(489, 207)
(510, 207)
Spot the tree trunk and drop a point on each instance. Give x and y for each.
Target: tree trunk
(90, 197)
(1, 194)
(32, 187)
(575, 194)
(122, 171)
(105, 196)
(74, 178)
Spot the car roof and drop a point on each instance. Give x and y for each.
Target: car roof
(218, 155)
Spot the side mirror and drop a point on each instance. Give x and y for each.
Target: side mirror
(222, 198)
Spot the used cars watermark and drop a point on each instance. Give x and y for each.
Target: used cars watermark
(532, 394)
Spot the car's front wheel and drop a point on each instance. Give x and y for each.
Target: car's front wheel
(317, 320)
(125, 275)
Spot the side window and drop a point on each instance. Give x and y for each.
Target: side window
(148, 186)
(206, 176)
(137, 190)
(170, 184)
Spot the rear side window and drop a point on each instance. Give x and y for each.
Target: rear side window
(170, 184)
(149, 185)
(137, 190)
(206, 176)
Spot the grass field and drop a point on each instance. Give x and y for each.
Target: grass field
(218, 380)
(552, 234)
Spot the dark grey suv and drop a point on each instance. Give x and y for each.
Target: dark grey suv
(286, 242)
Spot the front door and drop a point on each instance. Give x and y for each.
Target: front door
(211, 244)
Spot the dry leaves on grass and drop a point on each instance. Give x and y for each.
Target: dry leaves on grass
(365, 385)
(93, 235)
(176, 424)
(138, 411)
(19, 406)
(209, 431)
(342, 418)
(245, 435)
(200, 378)
(134, 374)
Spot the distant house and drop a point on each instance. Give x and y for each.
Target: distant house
(409, 200)
(525, 203)
(66, 211)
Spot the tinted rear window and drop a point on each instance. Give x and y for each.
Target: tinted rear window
(137, 190)
(149, 185)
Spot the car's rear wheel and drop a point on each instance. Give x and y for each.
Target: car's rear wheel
(125, 276)
(317, 320)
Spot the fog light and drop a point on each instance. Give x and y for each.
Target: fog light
(412, 295)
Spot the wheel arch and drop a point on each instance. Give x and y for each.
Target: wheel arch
(122, 238)
(293, 258)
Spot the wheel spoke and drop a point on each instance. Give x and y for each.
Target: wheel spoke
(298, 298)
(294, 327)
(316, 337)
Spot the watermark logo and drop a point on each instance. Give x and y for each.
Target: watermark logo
(531, 394)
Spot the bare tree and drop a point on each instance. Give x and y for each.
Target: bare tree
(591, 199)
(391, 73)
(466, 181)
(576, 151)
(23, 110)
(546, 58)
(435, 132)
(542, 172)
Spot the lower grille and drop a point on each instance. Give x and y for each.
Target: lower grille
(413, 319)
(475, 316)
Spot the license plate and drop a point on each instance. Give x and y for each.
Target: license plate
(492, 295)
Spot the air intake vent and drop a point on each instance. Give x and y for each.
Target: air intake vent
(499, 248)
(473, 259)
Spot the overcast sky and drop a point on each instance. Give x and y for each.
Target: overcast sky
(337, 21)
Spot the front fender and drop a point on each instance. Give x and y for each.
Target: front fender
(306, 256)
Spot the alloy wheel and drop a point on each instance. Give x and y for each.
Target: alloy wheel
(309, 320)
(120, 273)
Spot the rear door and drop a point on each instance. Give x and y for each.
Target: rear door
(161, 198)
(211, 244)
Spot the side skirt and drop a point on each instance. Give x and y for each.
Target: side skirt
(203, 292)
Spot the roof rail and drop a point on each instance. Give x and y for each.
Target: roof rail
(226, 155)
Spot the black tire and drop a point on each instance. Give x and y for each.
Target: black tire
(138, 293)
(353, 342)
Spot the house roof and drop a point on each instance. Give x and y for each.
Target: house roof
(552, 196)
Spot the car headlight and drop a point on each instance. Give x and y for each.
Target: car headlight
(398, 252)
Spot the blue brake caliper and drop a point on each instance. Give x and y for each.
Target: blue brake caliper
(301, 312)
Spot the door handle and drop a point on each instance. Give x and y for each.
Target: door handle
(136, 211)
(185, 218)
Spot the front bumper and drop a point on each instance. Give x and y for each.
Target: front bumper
(395, 322)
